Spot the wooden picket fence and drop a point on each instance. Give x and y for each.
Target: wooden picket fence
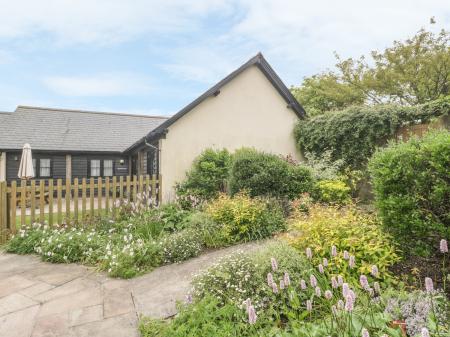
(58, 202)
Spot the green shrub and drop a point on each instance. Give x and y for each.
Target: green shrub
(207, 229)
(207, 178)
(181, 246)
(349, 230)
(353, 134)
(332, 191)
(411, 183)
(263, 174)
(241, 218)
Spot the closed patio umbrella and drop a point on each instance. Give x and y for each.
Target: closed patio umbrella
(26, 170)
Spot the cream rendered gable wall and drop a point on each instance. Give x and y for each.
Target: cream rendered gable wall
(248, 112)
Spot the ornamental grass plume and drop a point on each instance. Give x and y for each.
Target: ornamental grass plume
(365, 333)
(309, 253)
(269, 279)
(252, 315)
(443, 246)
(429, 284)
(313, 281)
(303, 284)
(374, 271)
(274, 263)
(287, 280)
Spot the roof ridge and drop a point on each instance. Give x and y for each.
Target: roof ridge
(89, 112)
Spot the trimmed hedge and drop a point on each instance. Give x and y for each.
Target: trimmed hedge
(353, 134)
(411, 183)
(264, 174)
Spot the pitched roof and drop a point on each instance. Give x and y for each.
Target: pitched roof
(259, 61)
(72, 130)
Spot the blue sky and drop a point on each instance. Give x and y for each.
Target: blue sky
(154, 57)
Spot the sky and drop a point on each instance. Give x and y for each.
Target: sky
(155, 56)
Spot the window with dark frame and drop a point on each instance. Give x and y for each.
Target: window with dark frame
(95, 168)
(42, 167)
(108, 168)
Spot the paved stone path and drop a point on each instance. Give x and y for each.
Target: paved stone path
(39, 299)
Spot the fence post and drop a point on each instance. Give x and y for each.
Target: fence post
(3, 210)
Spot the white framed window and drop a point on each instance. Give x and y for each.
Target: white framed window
(44, 168)
(108, 168)
(95, 168)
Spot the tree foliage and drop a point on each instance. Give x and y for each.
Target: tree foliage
(410, 72)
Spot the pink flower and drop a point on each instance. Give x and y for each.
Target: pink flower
(287, 280)
(352, 294)
(365, 333)
(274, 288)
(325, 262)
(364, 282)
(429, 284)
(328, 294)
(318, 292)
(313, 281)
(334, 283)
(303, 284)
(346, 255)
(308, 305)
(252, 315)
(340, 280)
(333, 251)
(269, 279)
(340, 304)
(321, 270)
(309, 253)
(349, 303)
(247, 303)
(443, 246)
(281, 284)
(274, 264)
(374, 271)
(425, 332)
(351, 262)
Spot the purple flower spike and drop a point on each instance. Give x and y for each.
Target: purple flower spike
(425, 332)
(429, 285)
(325, 262)
(274, 288)
(274, 264)
(374, 271)
(269, 279)
(287, 280)
(340, 280)
(309, 253)
(443, 246)
(318, 292)
(313, 281)
(303, 284)
(321, 270)
(365, 333)
(281, 284)
(333, 251)
(308, 305)
(349, 303)
(334, 283)
(345, 289)
(364, 282)
(351, 262)
(252, 315)
(376, 287)
(328, 294)
(346, 255)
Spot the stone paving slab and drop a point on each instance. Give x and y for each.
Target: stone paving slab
(39, 299)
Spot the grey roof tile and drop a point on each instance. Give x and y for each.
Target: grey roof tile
(73, 130)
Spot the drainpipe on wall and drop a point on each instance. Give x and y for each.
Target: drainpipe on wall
(2, 166)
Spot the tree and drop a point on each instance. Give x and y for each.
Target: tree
(411, 72)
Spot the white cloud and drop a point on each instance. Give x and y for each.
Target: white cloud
(98, 85)
(101, 21)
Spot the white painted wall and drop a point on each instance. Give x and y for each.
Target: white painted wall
(2, 166)
(248, 112)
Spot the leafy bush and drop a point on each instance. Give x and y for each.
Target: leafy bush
(332, 191)
(353, 134)
(349, 230)
(181, 246)
(242, 218)
(412, 190)
(323, 167)
(207, 177)
(263, 174)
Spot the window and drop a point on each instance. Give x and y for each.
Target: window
(44, 168)
(107, 168)
(95, 168)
